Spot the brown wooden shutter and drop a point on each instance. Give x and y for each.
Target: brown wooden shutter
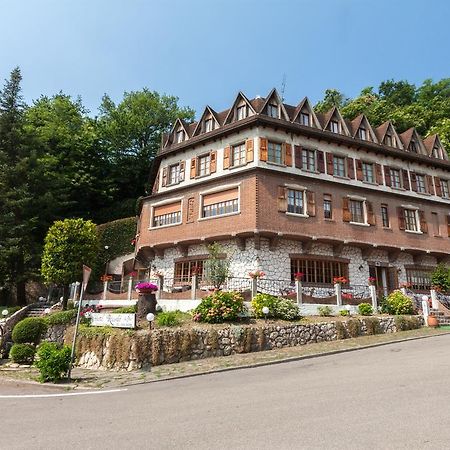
(190, 210)
(288, 153)
(193, 167)
(378, 174)
(370, 213)
(263, 149)
(346, 215)
(330, 168)
(359, 171)
(448, 226)
(429, 181)
(249, 150)
(310, 203)
(401, 218)
(413, 182)
(405, 179)
(387, 176)
(156, 185)
(350, 168)
(437, 185)
(164, 176)
(320, 161)
(298, 160)
(282, 198)
(213, 161)
(423, 222)
(226, 157)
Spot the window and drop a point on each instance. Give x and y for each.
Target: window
(338, 166)
(272, 110)
(185, 269)
(167, 215)
(396, 181)
(209, 126)
(334, 126)
(220, 203)
(385, 216)
(241, 112)
(327, 207)
(390, 140)
(174, 174)
(421, 187)
(296, 201)
(411, 222)
(435, 221)
(204, 165)
(180, 136)
(309, 160)
(368, 174)
(275, 153)
(238, 155)
(304, 119)
(319, 271)
(362, 134)
(437, 153)
(356, 208)
(445, 189)
(419, 278)
(412, 147)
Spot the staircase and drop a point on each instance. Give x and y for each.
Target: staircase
(443, 319)
(38, 310)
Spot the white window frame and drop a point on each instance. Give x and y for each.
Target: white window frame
(208, 165)
(181, 135)
(339, 157)
(363, 138)
(177, 167)
(445, 190)
(271, 107)
(302, 116)
(242, 146)
(336, 130)
(269, 143)
(304, 201)
(423, 185)
(416, 216)
(364, 165)
(308, 152)
(239, 109)
(400, 186)
(209, 125)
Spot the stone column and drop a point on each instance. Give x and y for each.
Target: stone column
(194, 287)
(130, 288)
(338, 292)
(425, 311)
(254, 287)
(434, 299)
(160, 284)
(299, 291)
(105, 289)
(373, 295)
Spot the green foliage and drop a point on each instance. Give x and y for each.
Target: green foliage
(404, 323)
(61, 317)
(398, 303)
(70, 304)
(29, 330)
(287, 310)
(217, 269)
(53, 361)
(353, 327)
(279, 308)
(344, 312)
(440, 277)
(324, 311)
(168, 319)
(22, 353)
(365, 309)
(11, 309)
(220, 307)
(125, 310)
(372, 325)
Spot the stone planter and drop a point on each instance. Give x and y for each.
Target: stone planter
(146, 304)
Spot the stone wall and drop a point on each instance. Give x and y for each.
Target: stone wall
(128, 351)
(8, 326)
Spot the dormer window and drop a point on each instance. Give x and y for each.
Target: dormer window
(334, 126)
(241, 112)
(304, 119)
(362, 134)
(272, 110)
(437, 152)
(412, 147)
(209, 125)
(180, 136)
(389, 140)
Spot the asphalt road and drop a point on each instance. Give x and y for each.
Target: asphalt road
(391, 397)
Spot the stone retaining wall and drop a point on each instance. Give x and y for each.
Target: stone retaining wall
(125, 350)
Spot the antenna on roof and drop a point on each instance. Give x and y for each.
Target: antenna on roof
(283, 87)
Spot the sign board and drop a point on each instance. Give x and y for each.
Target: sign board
(113, 320)
(86, 274)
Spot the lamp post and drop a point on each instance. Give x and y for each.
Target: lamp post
(348, 308)
(5, 312)
(265, 311)
(150, 317)
(107, 260)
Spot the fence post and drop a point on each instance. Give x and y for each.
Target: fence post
(373, 295)
(160, 283)
(254, 287)
(194, 287)
(105, 289)
(425, 311)
(338, 292)
(403, 290)
(130, 287)
(75, 295)
(434, 299)
(299, 291)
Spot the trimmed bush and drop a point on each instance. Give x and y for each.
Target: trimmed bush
(168, 319)
(398, 303)
(365, 309)
(344, 312)
(22, 353)
(353, 327)
(29, 330)
(325, 311)
(403, 323)
(279, 308)
(372, 325)
(61, 317)
(286, 309)
(125, 310)
(53, 361)
(220, 307)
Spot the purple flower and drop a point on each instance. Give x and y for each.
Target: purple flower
(146, 287)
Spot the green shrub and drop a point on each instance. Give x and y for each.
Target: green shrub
(61, 317)
(365, 309)
(262, 300)
(325, 311)
(440, 277)
(398, 303)
(344, 312)
(126, 310)
(286, 309)
(53, 361)
(219, 307)
(403, 323)
(372, 325)
(70, 305)
(168, 319)
(22, 353)
(354, 327)
(29, 330)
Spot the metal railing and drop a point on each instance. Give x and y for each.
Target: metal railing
(275, 287)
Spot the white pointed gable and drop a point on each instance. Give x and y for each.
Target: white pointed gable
(207, 122)
(334, 116)
(273, 103)
(387, 135)
(363, 130)
(178, 134)
(240, 101)
(305, 107)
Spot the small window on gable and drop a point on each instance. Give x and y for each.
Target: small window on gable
(209, 125)
(390, 140)
(412, 147)
(362, 133)
(437, 152)
(305, 119)
(334, 126)
(180, 136)
(242, 112)
(273, 110)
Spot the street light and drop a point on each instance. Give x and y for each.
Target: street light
(47, 311)
(265, 311)
(150, 317)
(5, 312)
(348, 308)
(107, 260)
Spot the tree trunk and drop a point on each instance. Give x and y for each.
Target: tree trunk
(65, 296)
(146, 304)
(21, 297)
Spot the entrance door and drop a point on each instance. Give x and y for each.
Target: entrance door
(386, 279)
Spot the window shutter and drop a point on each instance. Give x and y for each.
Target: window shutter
(320, 161)
(298, 161)
(448, 226)
(359, 171)
(437, 185)
(193, 167)
(430, 187)
(155, 185)
(405, 179)
(346, 216)
(310, 203)
(350, 168)
(182, 170)
(249, 150)
(226, 157)
(378, 174)
(401, 218)
(423, 222)
(288, 158)
(263, 149)
(370, 213)
(387, 176)
(413, 182)
(213, 161)
(330, 168)
(164, 176)
(282, 198)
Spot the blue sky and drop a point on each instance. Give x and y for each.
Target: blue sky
(205, 51)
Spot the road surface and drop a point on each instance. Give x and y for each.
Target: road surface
(391, 397)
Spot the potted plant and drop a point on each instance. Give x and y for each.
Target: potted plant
(257, 274)
(146, 299)
(298, 276)
(340, 280)
(372, 281)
